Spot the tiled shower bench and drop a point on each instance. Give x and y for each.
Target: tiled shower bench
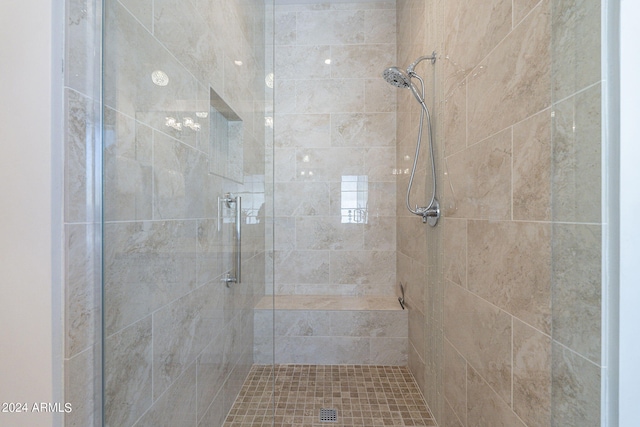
(331, 330)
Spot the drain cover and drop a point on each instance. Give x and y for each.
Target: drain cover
(328, 415)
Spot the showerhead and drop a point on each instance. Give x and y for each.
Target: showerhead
(396, 77)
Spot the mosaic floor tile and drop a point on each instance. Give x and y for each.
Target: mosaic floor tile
(362, 395)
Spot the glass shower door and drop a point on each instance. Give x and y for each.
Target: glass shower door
(184, 110)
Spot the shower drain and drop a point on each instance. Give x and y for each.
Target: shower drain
(328, 415)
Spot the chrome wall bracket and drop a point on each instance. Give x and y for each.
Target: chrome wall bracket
(229, 279)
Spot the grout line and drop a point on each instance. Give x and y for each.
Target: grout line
(512, 362)
(578, 92)
(153, 367)
(466, 253)
(555, 341)
(466, 391)
(497, 307)
(511, 181)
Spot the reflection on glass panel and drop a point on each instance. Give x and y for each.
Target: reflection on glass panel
(354, 195)
(226, 140)
(253, 199)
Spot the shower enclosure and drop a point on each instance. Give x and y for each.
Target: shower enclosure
(255, 166)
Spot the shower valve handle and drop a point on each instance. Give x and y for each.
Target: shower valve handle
(431, 213)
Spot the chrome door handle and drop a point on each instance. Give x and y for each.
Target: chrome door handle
(229, 200)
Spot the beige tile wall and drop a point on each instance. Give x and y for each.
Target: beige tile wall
(332, 336)
(517, 130)
(419, 247)
(334, 120)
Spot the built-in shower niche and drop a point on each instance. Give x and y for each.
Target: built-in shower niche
(226, 157)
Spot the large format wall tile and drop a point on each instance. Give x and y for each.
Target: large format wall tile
(380, 26)
(576, 32)
(147, 264)
(510, 266)
(82, 306)
(518, 118)
(364, 268)
(330, 95)
(81, 377)
(179, 177)
(481, 333)
(212, 251)
(322, 350)
(127, 374)
(127, 167)
(302, 267)
(480, 179)
(531, 375)
(336, 120)
(303, 199)
(485, 407)
(129, 88)
(303, 62)
(142, 10)
(82, 34)
(335, 337)
(455, 251)
(285, 27)
(380, 97)
(211, 373)
(411, 235)
(521, 8)
(361, 60)
(454, 114)
(513, 82)
(450, 419)
(388, 351)
(380, 234)
(184, 31)
(381, 199)
(474, 29)
(303, 130)
(455, 382)
(532, 168)
(576, 178)
(181, 330)
(575, 389)
(577, 290)
(329, 164)
(417, 329)
(177, 406)
(362, 130)
(324, 233)
(330, 27)
(82, 116)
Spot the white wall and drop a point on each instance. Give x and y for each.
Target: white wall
(629, 214)
(26, 368)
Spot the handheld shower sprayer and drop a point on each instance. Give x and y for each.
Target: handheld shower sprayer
(401, 79)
